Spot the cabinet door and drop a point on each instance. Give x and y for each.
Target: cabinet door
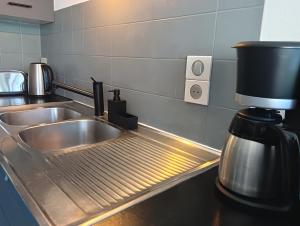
(41, 11)
(13, 211)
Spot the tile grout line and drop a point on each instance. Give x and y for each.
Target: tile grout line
(215, 29)
(130, 57)
(169, 18)
(22, 47)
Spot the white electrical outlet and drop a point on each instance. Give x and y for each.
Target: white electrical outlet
(196, 92)
(198, 68)
(44, 60)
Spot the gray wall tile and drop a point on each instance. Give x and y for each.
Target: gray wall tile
(90, 41)
(223, 82)
(31, 44)
(133, 40)
(131, 11)
(67, 19)
(66, 38)
(141, 48)
(44, 45)
(57, 64)
(235, 26)
(10, 42)
(215, 128)
(139, 11)
(175, 8)
(178, 38)
(96, 66)
(9, 26)
(149, 75)
(97, 13)
(33, 29)
(77, 16)
(97, 41)
(54, 43)
(77, 41)
(20, 44)
(230, 4)
(11, 61)
(73, 66)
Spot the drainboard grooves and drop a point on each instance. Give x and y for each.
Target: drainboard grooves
(140, 165)
(137, 166)
(168, 167)
(129, 169)
(113, 173)
(103, 195)
(122, 176)
(111, 184)
(176, 157)
(132, 166)
(180, 153)
(142, 162)
(97, 178)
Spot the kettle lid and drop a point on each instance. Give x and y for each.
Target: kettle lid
(38, 63)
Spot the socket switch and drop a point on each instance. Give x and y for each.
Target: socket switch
(198, 68)
(44, 60)
(196, 92)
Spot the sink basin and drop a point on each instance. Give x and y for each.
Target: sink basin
(67, 134)
(38, 116)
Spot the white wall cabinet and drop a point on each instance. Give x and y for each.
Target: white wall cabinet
(38, 11)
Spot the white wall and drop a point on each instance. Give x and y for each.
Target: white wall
(281, 20)
(59, 4)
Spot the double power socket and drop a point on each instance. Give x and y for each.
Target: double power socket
(197, 84)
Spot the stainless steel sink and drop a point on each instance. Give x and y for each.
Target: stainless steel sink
(38, 116)
(67, 134)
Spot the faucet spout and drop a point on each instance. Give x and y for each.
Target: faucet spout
(98, 97)
(97, 94)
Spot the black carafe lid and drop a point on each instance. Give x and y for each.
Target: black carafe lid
(255, 123)
(261, 115)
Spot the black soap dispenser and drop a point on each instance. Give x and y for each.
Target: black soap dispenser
(116, 105)
(117, 112)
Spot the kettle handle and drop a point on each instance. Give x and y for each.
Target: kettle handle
(290, 163)
(49, 79)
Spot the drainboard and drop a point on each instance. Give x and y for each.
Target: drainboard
(104, 176)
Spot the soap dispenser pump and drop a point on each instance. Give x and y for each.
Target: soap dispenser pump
(116, 94)
(116, 105)
(117, 112)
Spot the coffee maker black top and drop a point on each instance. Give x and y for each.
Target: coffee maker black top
(268, 74)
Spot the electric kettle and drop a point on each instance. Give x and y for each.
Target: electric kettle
(40, 79)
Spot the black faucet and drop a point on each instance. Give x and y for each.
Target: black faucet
(98, 97)
(97, 94)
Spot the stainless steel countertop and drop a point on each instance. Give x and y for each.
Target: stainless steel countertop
(49, 203)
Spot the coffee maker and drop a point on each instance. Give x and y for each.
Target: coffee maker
(259, 166)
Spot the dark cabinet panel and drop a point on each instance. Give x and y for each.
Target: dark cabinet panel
(40, 11)
(13, 211)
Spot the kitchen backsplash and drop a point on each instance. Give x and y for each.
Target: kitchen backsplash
(20, 44)
(141, 48)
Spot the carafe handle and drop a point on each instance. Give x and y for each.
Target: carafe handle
(290, 163)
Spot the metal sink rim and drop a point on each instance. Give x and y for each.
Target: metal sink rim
(72, 121)
(76, 115)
